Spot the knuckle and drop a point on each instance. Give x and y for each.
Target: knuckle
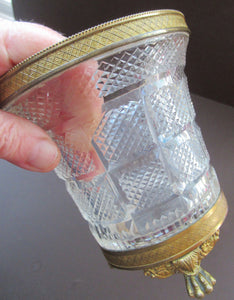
(9, 137)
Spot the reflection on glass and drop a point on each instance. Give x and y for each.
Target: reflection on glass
(133, 158)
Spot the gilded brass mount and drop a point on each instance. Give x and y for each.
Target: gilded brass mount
(86, 45)
(198, 281)
(181, 253)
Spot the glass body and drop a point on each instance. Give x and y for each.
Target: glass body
(133, 158)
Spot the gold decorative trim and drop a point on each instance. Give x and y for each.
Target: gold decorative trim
(176, 246)
(198, 281)
(85, 45)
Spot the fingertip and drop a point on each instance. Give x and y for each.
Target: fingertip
(43, 157)
(26, 145)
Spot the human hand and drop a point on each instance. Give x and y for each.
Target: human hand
(74, 119)
(21, 142)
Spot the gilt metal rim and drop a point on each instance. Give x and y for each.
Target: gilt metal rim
(85, 45)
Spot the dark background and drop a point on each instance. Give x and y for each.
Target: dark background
(210, 57)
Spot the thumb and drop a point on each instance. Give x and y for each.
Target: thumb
(26, 145)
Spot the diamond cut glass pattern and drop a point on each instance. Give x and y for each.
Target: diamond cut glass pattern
(133, 65)
(133, 158)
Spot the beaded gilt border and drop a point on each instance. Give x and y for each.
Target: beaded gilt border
(85, 45)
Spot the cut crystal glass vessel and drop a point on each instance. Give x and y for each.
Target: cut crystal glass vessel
(115, 99)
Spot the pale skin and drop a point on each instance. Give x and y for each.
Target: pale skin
(78, 111)
(21, 142)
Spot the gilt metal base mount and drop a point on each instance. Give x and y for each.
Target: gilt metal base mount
(180, 254)
(198, 281)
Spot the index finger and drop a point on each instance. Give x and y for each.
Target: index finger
(19, 40)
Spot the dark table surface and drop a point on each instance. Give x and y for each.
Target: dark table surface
(47, 251)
